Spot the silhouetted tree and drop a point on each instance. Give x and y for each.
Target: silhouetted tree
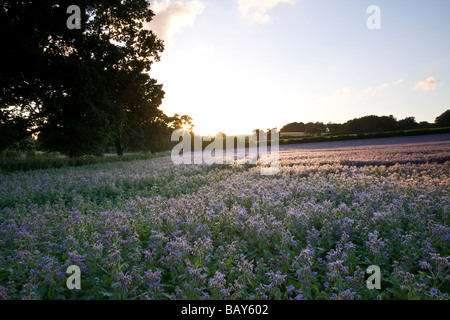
(335, 128)
(157, 133)
(425, 125)
(258, 133)
(184, 121)
(138, 97)
(444, 119)
(310, 128)
(293, 127)
(407, 123)
(371, 124)
(315, 128)
(67, 84)
(269, 134)
(12, 129)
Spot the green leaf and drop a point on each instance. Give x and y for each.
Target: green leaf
(174, 277)
(42, 290)
(267, 255)
(51, 294)
(166, 295)
(316, 289)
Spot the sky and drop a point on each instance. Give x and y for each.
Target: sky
(238, 65)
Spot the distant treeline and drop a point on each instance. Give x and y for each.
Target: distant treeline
(366, 124)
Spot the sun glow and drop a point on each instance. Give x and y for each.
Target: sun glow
(186, 127)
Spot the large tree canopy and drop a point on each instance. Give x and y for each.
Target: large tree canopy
(80, 89)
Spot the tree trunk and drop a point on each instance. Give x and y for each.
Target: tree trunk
(119, 147)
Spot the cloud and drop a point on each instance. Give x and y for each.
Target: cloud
(398, 81)
(426, 85)
(257, 10)
(172, 17)
(373, 90)
(347, 91)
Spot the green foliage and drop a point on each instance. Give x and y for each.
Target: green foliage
(15, 150)
(53, 160)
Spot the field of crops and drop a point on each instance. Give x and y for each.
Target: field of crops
(150, 229)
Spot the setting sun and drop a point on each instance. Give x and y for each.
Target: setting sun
(185, 127)
(234, 70)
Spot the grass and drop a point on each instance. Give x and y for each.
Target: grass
(44, 162)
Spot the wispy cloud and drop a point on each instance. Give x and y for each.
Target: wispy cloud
(373, 90)
(173, 16)
(398, 81)
(345, 92)
(348, 91)
(258, 10)
(426, 85)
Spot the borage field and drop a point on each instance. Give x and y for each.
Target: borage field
(154, 230)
